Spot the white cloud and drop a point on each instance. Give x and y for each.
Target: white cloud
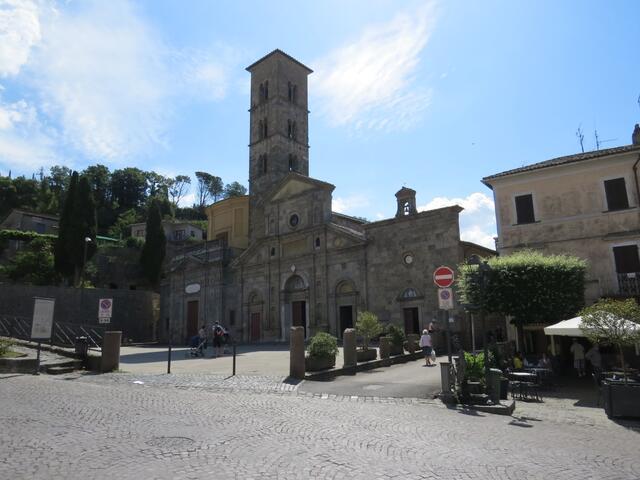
(370, 83)
(24, 141)
(477, 220)
(348, 204)
(105, 80)
(187, 200)
(19, 31)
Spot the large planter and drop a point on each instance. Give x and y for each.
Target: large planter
(620, 399)
(314, 364)
(504, 388)
(366, 355)
(396, 350)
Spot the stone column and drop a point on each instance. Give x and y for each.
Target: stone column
(349, 348)
(296, 353)
(110, 351)
(385, 350)
(446, 395)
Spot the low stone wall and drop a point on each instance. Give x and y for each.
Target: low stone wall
(18, 365)
(135, 312)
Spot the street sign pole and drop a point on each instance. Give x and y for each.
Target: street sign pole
(446, 319)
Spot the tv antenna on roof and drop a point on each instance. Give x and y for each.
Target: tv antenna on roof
(600, 142)
(580, 136)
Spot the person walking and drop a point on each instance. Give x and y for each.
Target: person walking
(218, 336)
(578, 357)
(425, 343)
(593, 355)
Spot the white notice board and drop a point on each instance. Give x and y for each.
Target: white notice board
(42, 318)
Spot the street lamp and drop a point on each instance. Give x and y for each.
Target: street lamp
(484, 269)
(87, 241)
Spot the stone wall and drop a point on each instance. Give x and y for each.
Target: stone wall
(135, 313)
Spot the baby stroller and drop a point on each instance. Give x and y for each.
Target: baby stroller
(197, 346)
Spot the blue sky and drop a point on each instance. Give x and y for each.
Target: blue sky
(431, 95)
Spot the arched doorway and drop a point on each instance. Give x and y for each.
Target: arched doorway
(255, 317)
(346, 306)
(411, 300)
(296, 299)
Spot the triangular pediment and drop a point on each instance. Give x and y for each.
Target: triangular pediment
(295, 184)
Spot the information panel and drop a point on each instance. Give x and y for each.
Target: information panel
(42, 318)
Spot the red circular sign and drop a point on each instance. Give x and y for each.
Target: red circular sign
(443, 277)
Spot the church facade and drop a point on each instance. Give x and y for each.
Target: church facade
(280, 257)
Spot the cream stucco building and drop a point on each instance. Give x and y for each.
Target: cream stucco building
(585, 205)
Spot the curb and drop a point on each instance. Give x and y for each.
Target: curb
(352, 370)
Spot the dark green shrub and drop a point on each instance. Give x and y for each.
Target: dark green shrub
(397, 335)
(134, 242)
(5, 345)
(474, 366)
(323, 345)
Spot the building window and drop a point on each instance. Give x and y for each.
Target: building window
(626, 258)
(193, 234)
(293, 167)
(409, 293)
(232, 317)
(317, 242)
(264, 128)
(262, 92)
(290, 89)
(260, 130)
(524, 209)
(263, 163)
(616, 192)
(266, 90)
(273, 251)
(295, 94)
(294, 220)
(179, 235)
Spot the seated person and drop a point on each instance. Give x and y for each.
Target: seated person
(517, 361)
(545, 362)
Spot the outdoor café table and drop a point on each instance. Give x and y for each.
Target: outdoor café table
(543, 374)
(527, 384)
(524, 376)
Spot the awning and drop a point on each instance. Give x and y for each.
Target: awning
(566, 328)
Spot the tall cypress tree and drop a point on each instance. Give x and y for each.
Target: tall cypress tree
(63, 263)
(155, 244)
(84, 226)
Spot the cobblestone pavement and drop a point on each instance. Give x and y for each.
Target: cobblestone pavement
(208, 426)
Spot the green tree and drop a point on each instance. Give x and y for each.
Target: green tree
(122, 226)
(178, 188)
(58, 180)
(99, 178)
(63, 255)
(33, 264)
(154, 249)
(613, 322)
(528, 286)
(8, 196)
(84, 227)
(209, 187)
(128, 188)
(367, 326)
(234, 189)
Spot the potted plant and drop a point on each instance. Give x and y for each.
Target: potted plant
(367, 327)
(616, 323)
(474, 372)
(322, 352)
(397, 339)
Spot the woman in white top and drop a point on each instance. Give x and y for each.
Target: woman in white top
(425, 343)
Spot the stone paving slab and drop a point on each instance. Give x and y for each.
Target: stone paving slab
(108, 427)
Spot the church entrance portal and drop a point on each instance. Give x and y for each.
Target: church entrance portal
(192, 319)
(299, 315)
(346, 318)
(411, 320)
(255, 328)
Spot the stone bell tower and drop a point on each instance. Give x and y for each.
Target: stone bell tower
(406, 198)
(279, 128)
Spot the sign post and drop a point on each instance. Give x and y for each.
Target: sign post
(42, 323)
(105, 310)
(443, 277)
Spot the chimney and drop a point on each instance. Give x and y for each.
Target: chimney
(635, 138)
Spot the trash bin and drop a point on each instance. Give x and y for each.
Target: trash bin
(494, 385)
(81, 346)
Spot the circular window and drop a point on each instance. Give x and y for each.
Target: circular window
(408, 259)
(293, 220)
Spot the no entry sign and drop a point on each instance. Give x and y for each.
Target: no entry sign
(443, 277)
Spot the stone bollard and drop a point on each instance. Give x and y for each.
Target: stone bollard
(296, 353)
(349, 349)
(494, 385)
(445, 373)
(412, 342)
(110, 351)
(385, 347)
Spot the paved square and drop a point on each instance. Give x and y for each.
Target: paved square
(211, 426)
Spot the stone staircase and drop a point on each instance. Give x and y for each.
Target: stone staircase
(64, 367)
